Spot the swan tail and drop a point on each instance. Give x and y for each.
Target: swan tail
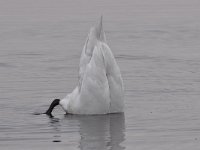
(100, 34)
(96, 34)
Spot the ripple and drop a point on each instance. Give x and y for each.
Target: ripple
(56, 141)
(6, 65)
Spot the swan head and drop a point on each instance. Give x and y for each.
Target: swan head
(51, 107)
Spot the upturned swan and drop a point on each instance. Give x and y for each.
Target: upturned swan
(100, 88)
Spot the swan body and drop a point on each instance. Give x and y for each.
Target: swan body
(100, 88)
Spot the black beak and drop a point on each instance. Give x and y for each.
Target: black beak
(51, 107)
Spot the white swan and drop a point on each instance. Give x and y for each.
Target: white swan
(100, 89)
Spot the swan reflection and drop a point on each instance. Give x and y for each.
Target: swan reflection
(96, 132)
(101, 132)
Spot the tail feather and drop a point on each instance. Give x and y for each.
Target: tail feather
(96, 34)
(100, 35)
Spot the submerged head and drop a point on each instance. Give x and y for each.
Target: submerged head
(51, 107)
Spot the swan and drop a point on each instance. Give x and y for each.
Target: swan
(100, 87)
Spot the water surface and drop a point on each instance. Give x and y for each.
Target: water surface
(156, 44)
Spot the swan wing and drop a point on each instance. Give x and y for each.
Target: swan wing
(96, 34)
(94, 93)
(115, 82)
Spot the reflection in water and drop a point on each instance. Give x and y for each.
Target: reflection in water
(101, 132)
(98, 132)
(55, 124)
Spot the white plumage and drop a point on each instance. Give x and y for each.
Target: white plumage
(100, 89)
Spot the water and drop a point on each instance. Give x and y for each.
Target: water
(156, 44)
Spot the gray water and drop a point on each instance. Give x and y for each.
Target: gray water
(157, 46)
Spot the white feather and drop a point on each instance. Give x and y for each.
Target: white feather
(100, 89)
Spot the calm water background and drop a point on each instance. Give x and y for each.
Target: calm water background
(157, 46)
